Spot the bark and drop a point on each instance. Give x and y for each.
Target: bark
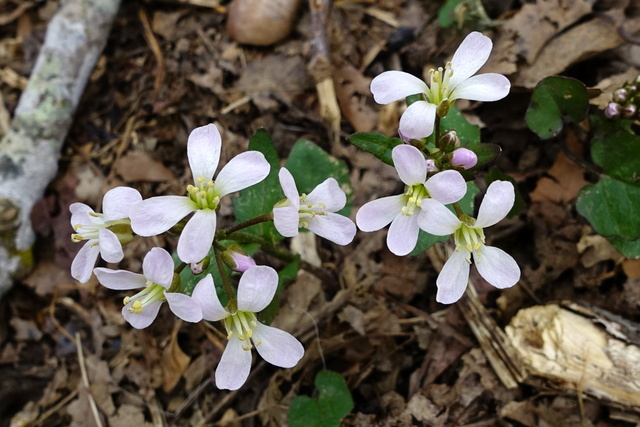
(30, 150)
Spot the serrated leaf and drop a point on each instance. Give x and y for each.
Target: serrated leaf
(334, 403)
(310, 165)
(426, 240)
(612, 208)
(259, 199)
(556, 99)
(376, 143)
(618, 153)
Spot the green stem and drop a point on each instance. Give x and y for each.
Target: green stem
(458, 209)
(180, 267)
(437, 131)
(253, 221)
(225, 279)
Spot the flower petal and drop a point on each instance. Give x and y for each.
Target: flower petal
(410, 164)
(234, 366)
(470, 56)
(452, 280)
(117, 202)
(158, 266)
(158, 214)
(85, 260)
(289, 188)
(256, 288)
(197, 236)
(205, 295)
(81, 215)
(496, 204)
(483, 87)
(329, 193)
(143, 319)
(244, 170)
(379, 213)
(203, 151)
(184, 307)
(276, 346)
(446, 187)
(435, 218)
(396, 85)
(418, 120)
(337, 228)
(110, 247)
(286, 220)
(403, 234)
(119, 279)
(496, 267)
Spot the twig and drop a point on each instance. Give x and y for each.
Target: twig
(85, 381)
(29, 152)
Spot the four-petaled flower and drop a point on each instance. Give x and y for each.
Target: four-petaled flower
(106, 232)
(158, 214)
(256, 289)
(314, 211)
(401, 210)
(141, 309)
(494, 265)
(446, 85)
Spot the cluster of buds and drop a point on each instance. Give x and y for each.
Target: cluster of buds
(626, 102)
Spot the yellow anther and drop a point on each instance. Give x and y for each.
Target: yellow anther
(240, 336)
(126, 300)
(136, 307)
(229, 335)
(253, 323)
(200, 179)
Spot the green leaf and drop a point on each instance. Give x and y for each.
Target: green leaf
(554, 99)
(334, 403)
(628, 248)
(496, 174)
(426, 240)
(618, 153)
(376, 143)
(486, 153)
(612, 208)
(287, 274)
(446, 13)
(259, 199)
(468, 134)
(310, 165)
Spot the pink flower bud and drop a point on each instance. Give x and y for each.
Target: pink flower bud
(236, 260)
(612, 111)
(464, 157)
(431, 166)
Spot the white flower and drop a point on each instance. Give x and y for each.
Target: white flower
(454, 82)
(158, 214)
(446, 187)
(494, 265)
(256, 289)
(314, 211)
(141, 309)
(106, 233)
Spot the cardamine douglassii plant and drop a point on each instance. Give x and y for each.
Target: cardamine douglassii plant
(213, 275)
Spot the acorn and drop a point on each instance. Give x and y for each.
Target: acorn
(261, 22)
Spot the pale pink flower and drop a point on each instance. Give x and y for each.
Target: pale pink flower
(455, 81)
(401, 210)
(464, 158)
(315, 211)
(105, 233)
(141, 309)
(256, 289)
(158, 214)
(494, 265)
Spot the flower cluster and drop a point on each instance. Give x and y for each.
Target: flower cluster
(626, 102)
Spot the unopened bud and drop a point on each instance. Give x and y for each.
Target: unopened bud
(612, 111)
(620, 95)
(199, 267)
(236, 259)
(431, 166)
(464, 158)
(633, 88)
(449, 140)
(628, 111)
(443, 108)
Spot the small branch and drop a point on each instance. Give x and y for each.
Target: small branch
(222, 234)
(29, 152)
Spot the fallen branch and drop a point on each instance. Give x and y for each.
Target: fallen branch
(29, 152)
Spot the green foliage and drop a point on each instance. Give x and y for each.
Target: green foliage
(310, 165)
(376, 143)
(446, 14)
(486, 153)
(259, 199)
(618, 153)
(554, 99)
(611, 207)
(468, 134)
(334, 402)
(426, 240)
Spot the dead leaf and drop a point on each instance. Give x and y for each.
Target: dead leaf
(141, 166)
(567, 180)
(174, 361)
(631, 268)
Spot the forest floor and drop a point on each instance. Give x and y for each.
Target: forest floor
(170, 66)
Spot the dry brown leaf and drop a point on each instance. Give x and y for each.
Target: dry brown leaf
(631, 268)
(568, 181)
(595, 248)
(352, 89)
(141, 166)
(47, 277)
(174, 361)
